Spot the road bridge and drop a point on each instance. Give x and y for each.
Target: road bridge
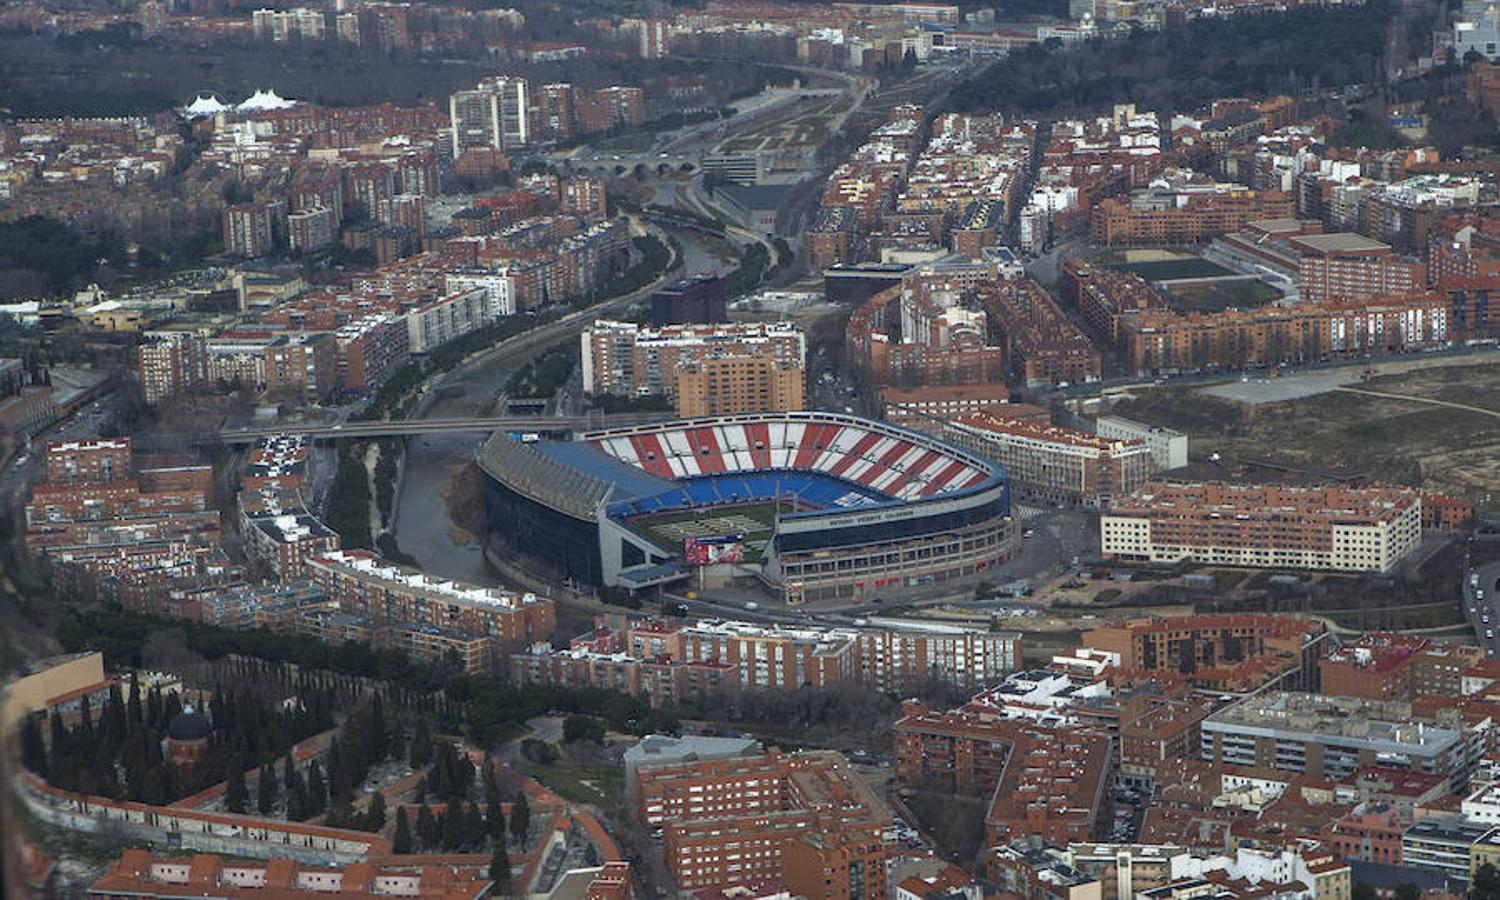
(477, 425)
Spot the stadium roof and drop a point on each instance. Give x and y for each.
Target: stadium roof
(629, 481)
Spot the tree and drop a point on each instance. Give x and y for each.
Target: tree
(153, 707)
(500, 869)
(33, 751)
(133, 713)
(296, 799)
(520, 820)
(317, 790)
(494, 820)
(1407, 891)
(421, 746)
(453, 827)
(583, 728)
(474, 827)
(265, 790)
(427, 831)
(374, 818)
(491, 784)
(235, 793)
(288, 772)
(401, 842)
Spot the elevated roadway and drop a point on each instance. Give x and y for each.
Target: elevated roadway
(477, 425)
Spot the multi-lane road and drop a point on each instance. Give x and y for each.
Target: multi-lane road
(1482, 604)
(437, 426)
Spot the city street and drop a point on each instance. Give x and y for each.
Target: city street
(1482, 603)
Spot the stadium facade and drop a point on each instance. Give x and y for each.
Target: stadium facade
(829, 506)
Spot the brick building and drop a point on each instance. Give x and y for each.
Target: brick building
(1051, 463)
(365, 584)
(627, 360)
(1389, 666)
(1325, 528)
(1195, 643)
(1187, 218)
(100, 459)
(803, 819)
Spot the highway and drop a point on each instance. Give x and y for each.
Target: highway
(483, 424)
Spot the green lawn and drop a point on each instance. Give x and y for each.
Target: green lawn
(755, 520)
(1247, 294)
(601, 786)
(1169, 269)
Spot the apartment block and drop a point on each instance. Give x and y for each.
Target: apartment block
(726, 383)
(628, 360)
(1155, 217)
(1266, 646)
(1161, 340)
(1390, 666)
(1342, 266)
(369, 351)
(1330, 737)
(170, 363)
(1324, 528)
(1053, 464)
(99, 459)
(926, 408)
(1042, 344)
(366, 585)
(800, 817)
(1169, 448)
(247, 230)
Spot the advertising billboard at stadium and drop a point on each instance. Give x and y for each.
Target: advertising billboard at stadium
(710, 550)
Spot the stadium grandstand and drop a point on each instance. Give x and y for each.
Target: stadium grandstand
(818, 506)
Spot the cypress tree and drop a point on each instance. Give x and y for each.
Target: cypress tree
(317, 790)
(235, 793)
(500, 869)
(265, 789)
(474, 830)
(520, 820)
(491, 783)
(374, 819)
(33, 750)
(153, 708)
(401, 843)
(133, 705)
(426, 828)
(453, 827)
(494, 820)
(421, 746)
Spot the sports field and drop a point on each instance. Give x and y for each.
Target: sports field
(1170, 269)
(755, 521)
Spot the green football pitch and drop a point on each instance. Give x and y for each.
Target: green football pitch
(755, 521)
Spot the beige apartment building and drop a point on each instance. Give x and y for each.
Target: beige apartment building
(1337, 529)
(1053, 464)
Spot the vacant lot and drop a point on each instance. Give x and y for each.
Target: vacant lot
(1395, 440)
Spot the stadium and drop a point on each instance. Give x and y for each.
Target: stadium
(817, 506)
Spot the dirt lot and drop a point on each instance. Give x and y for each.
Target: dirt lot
(1400, 441)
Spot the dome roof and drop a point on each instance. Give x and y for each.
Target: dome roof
(189, 726)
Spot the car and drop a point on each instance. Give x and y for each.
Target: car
(1489, 633)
